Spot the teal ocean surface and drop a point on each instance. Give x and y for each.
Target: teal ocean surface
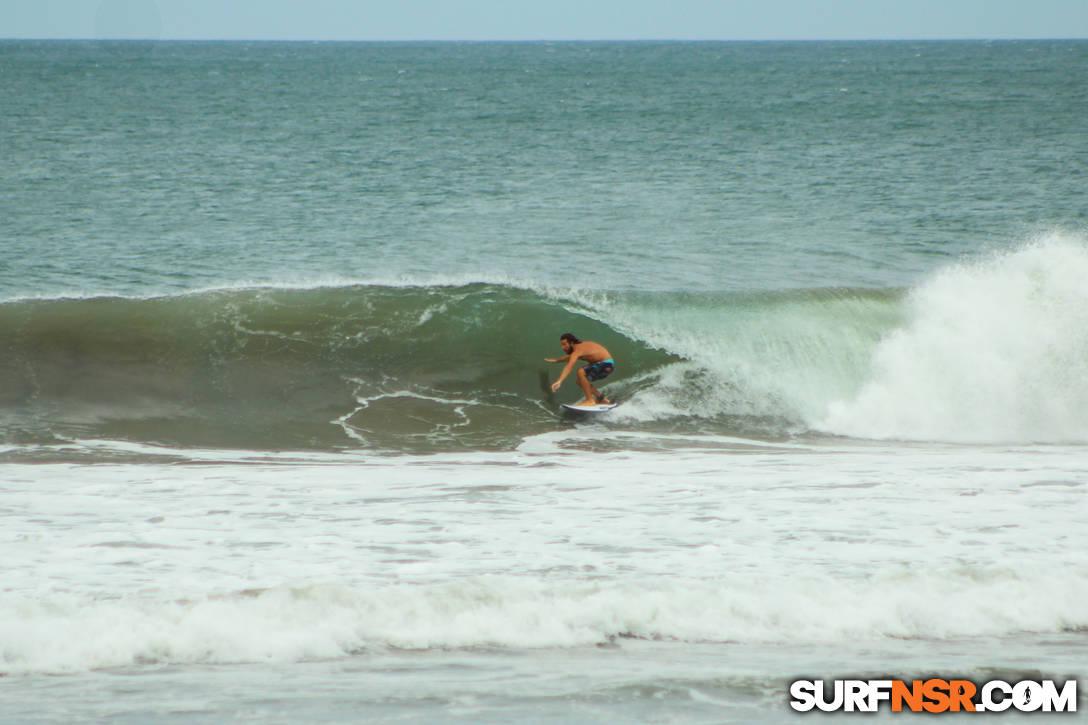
(276, 434)
(140, 169)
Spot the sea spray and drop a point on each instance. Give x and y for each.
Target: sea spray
(994, 350)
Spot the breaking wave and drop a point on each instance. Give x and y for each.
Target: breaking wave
(994, 350)
(289, 624)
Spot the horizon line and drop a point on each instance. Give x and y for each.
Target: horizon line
(553, 40)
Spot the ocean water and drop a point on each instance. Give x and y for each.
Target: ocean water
(276, 436)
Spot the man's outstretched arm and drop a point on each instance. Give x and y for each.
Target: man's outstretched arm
(572, 358)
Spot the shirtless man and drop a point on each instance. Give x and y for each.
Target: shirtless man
(600, 366)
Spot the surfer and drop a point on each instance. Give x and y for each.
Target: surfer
(600, 366)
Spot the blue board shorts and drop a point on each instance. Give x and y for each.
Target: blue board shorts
(599, 370)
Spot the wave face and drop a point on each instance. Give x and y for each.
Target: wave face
(991, 351)
(418, 368)
(275, 368)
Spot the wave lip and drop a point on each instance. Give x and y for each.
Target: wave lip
(993, 351)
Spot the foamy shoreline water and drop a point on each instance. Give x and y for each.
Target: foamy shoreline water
(696, 581)
(757, 544)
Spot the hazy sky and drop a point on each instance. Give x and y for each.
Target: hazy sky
(543, 19)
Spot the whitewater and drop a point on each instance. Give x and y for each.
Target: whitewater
(277, 439)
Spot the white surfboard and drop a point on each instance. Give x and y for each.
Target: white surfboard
(599, 408)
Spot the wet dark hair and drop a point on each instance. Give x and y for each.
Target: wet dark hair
(569, 337)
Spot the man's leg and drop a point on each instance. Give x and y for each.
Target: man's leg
(587, 388)
(597, 394)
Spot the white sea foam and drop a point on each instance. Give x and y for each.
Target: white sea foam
(65, 634)
(994, 351)
(714, 540)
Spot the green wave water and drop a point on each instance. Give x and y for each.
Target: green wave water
(407, 368)
(990, 350)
